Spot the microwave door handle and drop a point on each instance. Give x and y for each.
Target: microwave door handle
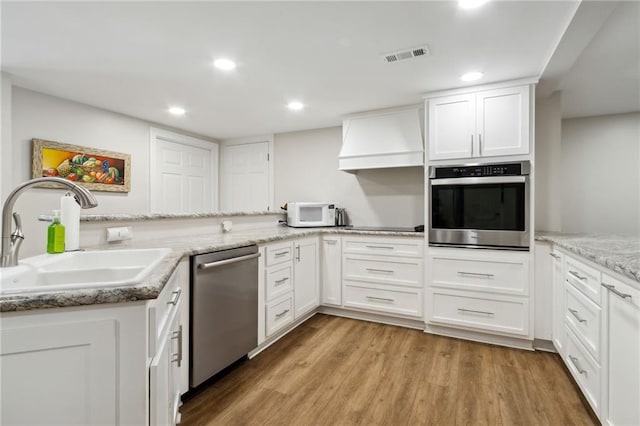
(479, 180)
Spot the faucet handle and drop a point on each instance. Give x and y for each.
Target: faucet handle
(18, 232)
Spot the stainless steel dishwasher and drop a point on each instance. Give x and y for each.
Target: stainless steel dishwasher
(224, 310)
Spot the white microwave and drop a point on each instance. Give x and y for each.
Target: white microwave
(306, 214)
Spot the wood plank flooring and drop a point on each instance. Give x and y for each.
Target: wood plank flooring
(337, 371)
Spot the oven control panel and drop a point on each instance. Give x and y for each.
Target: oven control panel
(508, 169)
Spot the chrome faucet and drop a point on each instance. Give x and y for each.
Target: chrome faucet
(11, 243)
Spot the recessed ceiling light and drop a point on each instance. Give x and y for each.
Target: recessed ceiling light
(471, 76)
(295, 106)
(176, 111)
(224, 64)
(471, 4)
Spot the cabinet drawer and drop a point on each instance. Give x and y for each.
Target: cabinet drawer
(506, 275)
(583, 318)
(279, 314)
(403, 301)
(278, 281)
(167, 300)
(584, 278)
(619, 289)
(395, 270)
(495, 313)
(384, 246)
(584, 369)
(279, 253)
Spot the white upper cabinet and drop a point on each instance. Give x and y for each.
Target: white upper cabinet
(487, 123)
(451, 126)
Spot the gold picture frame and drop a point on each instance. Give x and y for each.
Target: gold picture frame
(95, 169)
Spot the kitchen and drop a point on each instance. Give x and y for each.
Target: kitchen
(305, 150)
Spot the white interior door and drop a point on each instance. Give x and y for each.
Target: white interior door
(245, 177)
(183, 174)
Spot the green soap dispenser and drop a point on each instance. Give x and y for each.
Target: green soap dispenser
(55, 235)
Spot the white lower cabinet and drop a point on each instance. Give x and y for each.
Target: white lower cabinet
(383, 275)
(479, 290)
(306, 281)
(584, 369)
(384, 298)
(558, 334)
(291, 271)
(97, 364)
(164, 374)
(63, 373)
(331, 270)
(622, 307)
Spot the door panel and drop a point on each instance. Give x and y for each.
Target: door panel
(245, 177)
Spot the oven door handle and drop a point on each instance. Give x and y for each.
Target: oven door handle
(479, 180)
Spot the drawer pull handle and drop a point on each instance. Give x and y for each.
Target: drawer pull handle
(578, 276)
(475, 312)
(332, 242)
(178, 357)
(385, 271)
(283, 313)
(175, 298)
(616, 292)
(382, 299)
(282, 253)
(281, 280)
(555, 256)
(475, 274)
(575, 314)
(381, 247)
(576, 364)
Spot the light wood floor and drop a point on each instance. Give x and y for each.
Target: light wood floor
(337, 371)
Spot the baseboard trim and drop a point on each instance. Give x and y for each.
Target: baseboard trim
(366, 316)
(544, 345)
(280, 334)
(474, 336)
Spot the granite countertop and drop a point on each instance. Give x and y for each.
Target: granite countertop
(619, 253)
(180, 247)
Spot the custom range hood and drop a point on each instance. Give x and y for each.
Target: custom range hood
(382, 139)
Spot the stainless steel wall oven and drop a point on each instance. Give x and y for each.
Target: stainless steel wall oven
(480, 205)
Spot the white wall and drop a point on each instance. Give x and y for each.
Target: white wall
(548, 188)
(5, 135)
(306, 169)
(36, 115)
(601, 174)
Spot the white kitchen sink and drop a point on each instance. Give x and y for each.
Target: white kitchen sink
(82, 269)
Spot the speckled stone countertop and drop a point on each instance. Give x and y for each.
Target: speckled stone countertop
(181, 247)
(618, 253)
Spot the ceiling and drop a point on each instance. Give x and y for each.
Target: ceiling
(140, 58)
(605, 78)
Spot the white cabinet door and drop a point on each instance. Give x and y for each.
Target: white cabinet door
(558, 333)
(331, 271)
(164, 374)
(451, 126)
(502, 121)
(623, 310)
(543, 291)
(306, 277)
(63, 374)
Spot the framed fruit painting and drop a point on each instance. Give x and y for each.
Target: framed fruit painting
(96, 169)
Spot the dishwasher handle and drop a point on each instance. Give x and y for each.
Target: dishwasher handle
(228, 261)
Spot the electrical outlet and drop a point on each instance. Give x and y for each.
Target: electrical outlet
(119, 234)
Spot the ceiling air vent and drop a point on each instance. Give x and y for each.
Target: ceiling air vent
(406, 54)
